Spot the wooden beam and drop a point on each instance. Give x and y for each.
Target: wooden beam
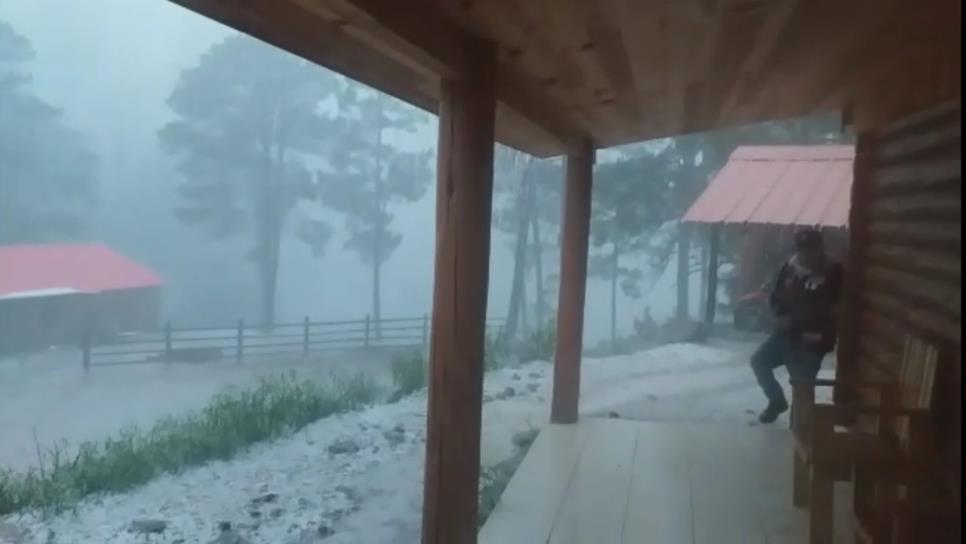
(463, 208)
(573, 284)
(442, 43)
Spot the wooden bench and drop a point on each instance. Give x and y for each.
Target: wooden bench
(825, 454)
(893, 471)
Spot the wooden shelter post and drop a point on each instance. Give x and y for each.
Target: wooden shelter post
(711, 304)
(573, 283)
(467, 115)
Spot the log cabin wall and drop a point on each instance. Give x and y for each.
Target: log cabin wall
(904, 271)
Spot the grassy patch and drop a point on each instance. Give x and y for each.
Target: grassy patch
(495, 354)
(620, 346)
(493, 480)
(539, 345)
(408, 374)
(232, 421)
(409, 369)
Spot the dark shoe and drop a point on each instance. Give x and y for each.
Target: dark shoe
(774, 409)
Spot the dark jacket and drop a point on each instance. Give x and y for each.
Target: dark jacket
(809, 300)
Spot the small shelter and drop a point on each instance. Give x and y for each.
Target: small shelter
(54, 294)
(765, 192)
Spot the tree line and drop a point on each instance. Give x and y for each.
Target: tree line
(264, 140)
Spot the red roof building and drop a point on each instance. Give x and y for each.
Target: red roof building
(53, 294)
(69, 268)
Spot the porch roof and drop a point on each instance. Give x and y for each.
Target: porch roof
(780, 185)
(621, 71)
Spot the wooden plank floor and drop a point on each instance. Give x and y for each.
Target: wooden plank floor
(610, 481)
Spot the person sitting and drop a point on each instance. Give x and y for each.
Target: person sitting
(803, 300)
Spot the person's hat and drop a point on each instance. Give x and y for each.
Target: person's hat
(808, 239)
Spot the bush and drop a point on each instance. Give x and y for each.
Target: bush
(495, 354)
(493, 481)
(409, 369)
(608, 348)
(540, 345)
(408, 374)
(233, 421)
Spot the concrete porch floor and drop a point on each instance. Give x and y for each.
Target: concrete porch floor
(612, 481)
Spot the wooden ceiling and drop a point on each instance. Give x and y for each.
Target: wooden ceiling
(623, 71)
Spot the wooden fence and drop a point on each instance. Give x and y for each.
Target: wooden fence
(195, 345)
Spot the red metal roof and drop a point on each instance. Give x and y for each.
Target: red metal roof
(780, 185)
(84, 268)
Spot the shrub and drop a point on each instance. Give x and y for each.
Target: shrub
(493, 480)
(229, 424)
(495, 354)
(539, 345)
(408, 373)
(620, 346)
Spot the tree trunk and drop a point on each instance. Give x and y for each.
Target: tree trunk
(269, 224)
(684, 272)
(704, 272)
(519, 260)
(541, 303)
(378, 227)
(524, 309)
(615, 272)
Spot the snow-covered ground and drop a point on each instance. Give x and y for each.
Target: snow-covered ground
(48, 395)
(357, 478)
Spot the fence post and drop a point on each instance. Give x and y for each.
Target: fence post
(240, 341)
(86, 349)
(425, 330)
(305, 337)
(365, 342)
(167, 341)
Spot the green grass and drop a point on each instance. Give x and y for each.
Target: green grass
(539, 345)
(493, 480)
(495, 354)
(408, 374)
(232, 421)
(409, 369)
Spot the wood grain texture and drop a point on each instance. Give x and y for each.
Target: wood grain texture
(612, 481)
(463, 216)
(906, 236)
(573, 285)
(623, 71)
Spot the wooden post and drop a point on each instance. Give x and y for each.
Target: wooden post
(711, 304)
(365, 340)
(305, 337)
(167, 341)
(86, 349)
(240, 341)
(573, 284)
(464, 198)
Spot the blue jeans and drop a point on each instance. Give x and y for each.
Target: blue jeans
(801, 360)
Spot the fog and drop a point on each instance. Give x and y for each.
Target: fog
(110, 66)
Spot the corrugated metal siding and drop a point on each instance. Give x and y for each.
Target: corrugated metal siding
(904, 267)
(779, 185)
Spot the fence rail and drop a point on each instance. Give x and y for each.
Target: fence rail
(203, 344)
